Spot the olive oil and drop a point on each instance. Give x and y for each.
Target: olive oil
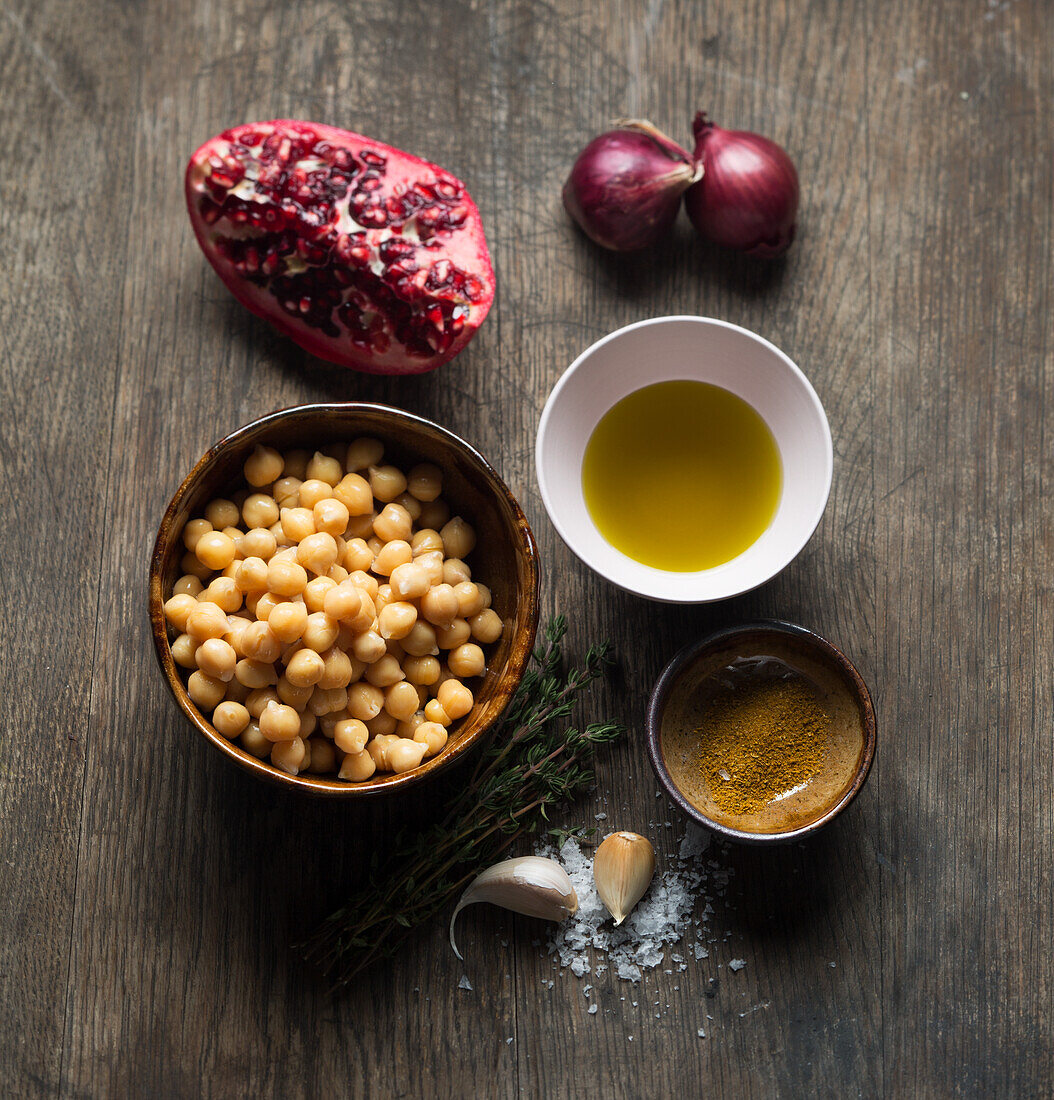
(682, 476)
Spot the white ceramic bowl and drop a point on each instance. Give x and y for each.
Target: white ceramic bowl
(704, 350)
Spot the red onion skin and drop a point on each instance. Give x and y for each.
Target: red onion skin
(748, 196)
(625, 187)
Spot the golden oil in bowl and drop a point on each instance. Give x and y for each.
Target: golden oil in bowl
(682, 476)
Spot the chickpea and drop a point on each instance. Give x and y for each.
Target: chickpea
(308, 722)
(187, 585)
(324, 468)
(261, 643)
(317, 553)
(487, 626)
(394, 522)
(254, 674)
(179, 608)
(425, 541)
(384, 672)
(365, 701)
(395, 620)
(338, 670)
(286, 492)
(357, 555)
(321, 631)
(315, 592)
(408, 727)
(331, 516)
(295, 463)
(425, 482)
(305, 668)
(288, 621)
(439, 605)
(467, 660)
(237, 693)
(215, 550)
(357, 766)
(192, 532)
(224, 593)
(421, 641)
(205, 620)
(374, 545)
(206, 690)
(278, 721)
(337, 573)
(411, 504)
(189, 564)
(280, 537)
(387, 482)
(404, 755)
(366, 581)
(217, 658)
(400, 701)
(285, 577)
(183, 650)
(323, 758)
(289, 755)
(455, 571)
(457, 633)
(382, 726)
(295, 695)
(236, 627)
(254, 742)
(297, 523)
(344, 601)
(263, 466)
(434, 514)
(328, 701)
(459, 537)
(266, 603)
(455, 698)
(257, 701)
(432, 735)
(350, 735)
(409, 581)
(229, 719)
(360, 527)
(432, 563)
(222, 513)
(378, 750)
(260, 510)
(469, 599)
(434, 712)
(251, 575)
(363, 453)
(368, 647)
(421, 670)
(485, 595)
(305, 764)
(353, 491)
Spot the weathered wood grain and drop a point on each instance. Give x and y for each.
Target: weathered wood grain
(151, 892)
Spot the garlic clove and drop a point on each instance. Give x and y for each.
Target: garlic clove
(530, 885)
(623, 867)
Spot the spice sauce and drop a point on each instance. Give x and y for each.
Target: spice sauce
(682, 476)
(762, 742)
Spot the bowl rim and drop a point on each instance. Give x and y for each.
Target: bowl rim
(319, 786)
(681, 660)
(611, 575)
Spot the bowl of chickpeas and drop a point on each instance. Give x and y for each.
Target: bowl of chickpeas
(343, 597)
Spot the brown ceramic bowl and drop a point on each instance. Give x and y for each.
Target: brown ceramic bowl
(505, 559)
(674, 696)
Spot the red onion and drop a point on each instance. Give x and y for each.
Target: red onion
(625, 188)
(748, 196)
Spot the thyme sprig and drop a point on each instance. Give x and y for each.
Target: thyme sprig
(532, 764)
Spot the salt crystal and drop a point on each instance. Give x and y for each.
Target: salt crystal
(464, 983)
(586, 990)
(580, 966)
(593, 1009)
(509, 1039)
(701, 1033)
(601, 817)
(737, 964)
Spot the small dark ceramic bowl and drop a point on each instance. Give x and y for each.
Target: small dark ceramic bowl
(505, 558)
(680, 675)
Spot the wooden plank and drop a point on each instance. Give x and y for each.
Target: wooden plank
(58, 321)
(961, 221)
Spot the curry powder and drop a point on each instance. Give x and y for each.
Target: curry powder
(762, 741)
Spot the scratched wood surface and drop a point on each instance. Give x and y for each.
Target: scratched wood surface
(149, 891)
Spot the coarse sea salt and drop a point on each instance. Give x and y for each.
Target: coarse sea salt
(659, 920)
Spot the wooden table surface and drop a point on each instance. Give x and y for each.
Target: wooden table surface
(150, 891)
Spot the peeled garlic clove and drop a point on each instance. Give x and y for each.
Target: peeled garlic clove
(622, 868)
(530, 885)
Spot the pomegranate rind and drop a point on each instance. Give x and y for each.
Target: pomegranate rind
(437, 315)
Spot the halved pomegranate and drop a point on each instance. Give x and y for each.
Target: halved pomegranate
(363, 254)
